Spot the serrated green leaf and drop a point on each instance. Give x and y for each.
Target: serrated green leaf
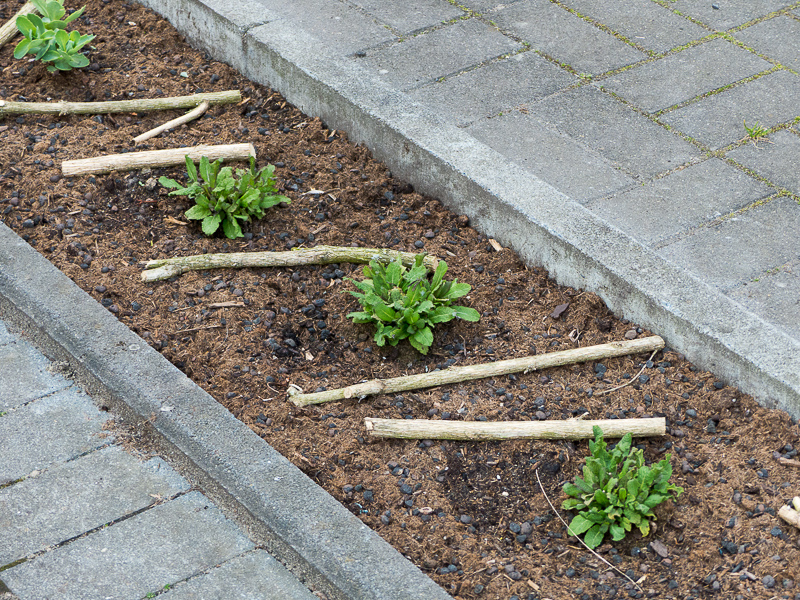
(571, 504)
(211, 224)
(583, 486)
(26, 28)
(75, 15)
(384, 313)
(394, 271)
(579, 524)
(424, 337)
(22, 48)
(572, 490)
(78, 61)
(457, 290)
(594, 537)
(231, 228)
(601, 498)
(205, 169)
(617, 532)
(441, 314)
(438, 275)
(197, 212)
(465, 313)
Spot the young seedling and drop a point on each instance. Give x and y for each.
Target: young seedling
(403, 304)
(45, 37)
(224, 197)
(756, 131)
(617, 491)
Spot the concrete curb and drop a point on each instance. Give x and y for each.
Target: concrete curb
(314, 535)
(505, 202)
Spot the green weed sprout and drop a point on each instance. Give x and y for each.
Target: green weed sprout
(224, 197)
(617, 491)
(756, 131)
(403, 304)
(45, 37)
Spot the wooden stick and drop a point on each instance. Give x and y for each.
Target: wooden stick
(8, 107)
(789, 515)
(164, 268)
(190, 116)
(154, 158)
(9, 28)
(789, 462)
(570, 429)
(503, 367)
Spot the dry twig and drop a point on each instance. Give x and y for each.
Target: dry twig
(190, 116)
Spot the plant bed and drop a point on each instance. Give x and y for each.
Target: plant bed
(470, 514)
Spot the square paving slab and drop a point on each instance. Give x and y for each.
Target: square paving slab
(642, 22)
(566, 37)
(718, 120)
(741, 248)
(685, 74)
(552, 156)
(777, 38)
(776, 158)
(680, 201)
(615, 131)
(24, 375)
(411, 15)
(729, 13)
(129, 559)
(53, 429)
(429, 56)
(485, 91)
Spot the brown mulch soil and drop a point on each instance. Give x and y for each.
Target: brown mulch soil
(471, 515)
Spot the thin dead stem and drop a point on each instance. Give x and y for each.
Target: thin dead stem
(541, 487)
(634, 378)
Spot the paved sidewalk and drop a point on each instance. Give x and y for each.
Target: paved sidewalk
(603, 140)
(81, 517)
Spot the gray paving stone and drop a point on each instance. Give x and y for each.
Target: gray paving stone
(566, 37)
(615, 131)
(718, 120)
(485, 91)
(680, 201)
(731, 13)
(78, 496)
(685, 75)
(163, 545)
(341, 28)
(411, 15)
(777, 38)
(24, 376)
(429, 56)
(5, 336)
(253, 576)
(774, 296)
(50, 430)
(741, 248)
(643, 22)
(776, 159)
(566, 165)
(483, 6)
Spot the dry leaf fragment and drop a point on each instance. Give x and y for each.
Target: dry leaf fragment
(559, 310)
(497, 247)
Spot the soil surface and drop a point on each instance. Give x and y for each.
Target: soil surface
(470, 515)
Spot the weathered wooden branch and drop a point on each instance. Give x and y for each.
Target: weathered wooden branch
(190, 116)
(155, 158)
(495, 369)
(8, 107)
(570, 429)
(789, 462)
(164, 268)
(9, 28)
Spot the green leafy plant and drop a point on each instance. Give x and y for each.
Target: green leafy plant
(756, 131)
(617, 491)
(45, 36)
(403, 304)
(224, 197)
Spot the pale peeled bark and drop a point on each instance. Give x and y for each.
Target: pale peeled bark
(495, 369)
(790, 516)
(571, 429)
(164, 268)
(155, 158)
(8, 107)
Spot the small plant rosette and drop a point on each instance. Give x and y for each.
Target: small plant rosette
(403, 304)
(617, 491)
(44, 37)
(225, 197)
